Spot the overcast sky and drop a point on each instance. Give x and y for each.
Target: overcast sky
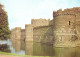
(20, 12)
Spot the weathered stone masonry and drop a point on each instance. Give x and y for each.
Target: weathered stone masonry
(17, 38)
(43, 34)
(62, 31)
(66, 27)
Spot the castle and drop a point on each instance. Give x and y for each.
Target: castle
(62, 31)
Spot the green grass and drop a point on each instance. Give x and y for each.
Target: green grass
(4, 53)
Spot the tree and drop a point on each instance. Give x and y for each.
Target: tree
(4, 29)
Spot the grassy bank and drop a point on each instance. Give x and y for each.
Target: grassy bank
(12, 54)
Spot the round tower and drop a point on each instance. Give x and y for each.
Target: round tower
(64, 28)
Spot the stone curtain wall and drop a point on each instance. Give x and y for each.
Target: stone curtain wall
(62, 31)
(16, 33)
(40, 22)
(43, 34)
(17, 38)
(42, 30)
(23, 35)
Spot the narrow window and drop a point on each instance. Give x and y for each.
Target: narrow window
(69, 22)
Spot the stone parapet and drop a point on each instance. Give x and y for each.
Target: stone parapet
(71, 11)
(40, 22)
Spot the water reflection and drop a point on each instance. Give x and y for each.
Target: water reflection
(22, 45)
(43, 49)
(4, 48)
(17, 46)
(29, 48)
(67, 52)
(38, 49)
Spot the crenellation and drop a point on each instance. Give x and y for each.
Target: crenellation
(62, 13)
(60, 10)
(40, 22)
(72, 11)
(70, 19)
(61, 31)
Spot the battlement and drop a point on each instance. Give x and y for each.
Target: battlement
(40, 22)
(28, 25)
(40, 19)
(68, 11)
(17, 28)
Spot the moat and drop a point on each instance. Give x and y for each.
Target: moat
(38, 49)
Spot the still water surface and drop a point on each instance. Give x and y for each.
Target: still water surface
(38, 49)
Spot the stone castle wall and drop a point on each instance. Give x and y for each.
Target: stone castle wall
(43, 34)
(66, 27)
(29, 32)
(23, 35)
(62, 31)
(40, 22)
(17, 38)
(17, 33)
